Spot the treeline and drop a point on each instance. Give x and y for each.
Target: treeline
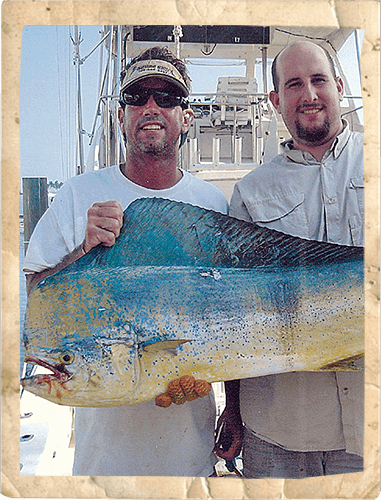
(55, 184)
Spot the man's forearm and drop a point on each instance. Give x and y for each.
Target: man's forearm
(232, 395)
(33, 278)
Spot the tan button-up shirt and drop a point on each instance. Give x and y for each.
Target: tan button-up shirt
(296, 194)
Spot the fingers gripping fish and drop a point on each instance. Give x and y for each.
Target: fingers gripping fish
(187, 291)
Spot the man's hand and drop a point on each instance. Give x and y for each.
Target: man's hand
(104, 221)
(183, 389)
(229, 434)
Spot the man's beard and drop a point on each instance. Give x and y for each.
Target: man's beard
(163, 149)
(152, 148)
(316, 136)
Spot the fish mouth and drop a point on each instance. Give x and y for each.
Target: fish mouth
(59, 372)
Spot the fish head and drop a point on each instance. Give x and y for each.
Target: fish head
(77, 336)
(93, 372)
(60, 374)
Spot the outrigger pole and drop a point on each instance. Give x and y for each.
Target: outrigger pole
(77, 62)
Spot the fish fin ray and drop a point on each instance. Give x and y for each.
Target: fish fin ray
(347, 364)
(165, 346)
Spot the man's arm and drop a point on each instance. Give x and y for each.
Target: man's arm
(33, 278)
(229, 425)
(104, 221)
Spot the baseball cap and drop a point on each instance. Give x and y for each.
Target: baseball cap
(154, 68)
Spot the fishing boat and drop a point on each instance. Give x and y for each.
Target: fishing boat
(235, 129)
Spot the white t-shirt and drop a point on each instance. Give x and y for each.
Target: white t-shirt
(139, 440)
(62, 227)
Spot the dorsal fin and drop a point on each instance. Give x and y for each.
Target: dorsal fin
(161, 232)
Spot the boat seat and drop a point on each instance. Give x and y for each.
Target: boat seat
(234, 92)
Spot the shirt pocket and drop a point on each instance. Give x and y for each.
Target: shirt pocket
(356, 227)
(357, 183)
(283, 212)
(356, 220)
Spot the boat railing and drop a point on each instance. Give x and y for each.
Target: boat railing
(230, 130)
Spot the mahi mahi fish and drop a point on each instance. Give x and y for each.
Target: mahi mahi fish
(189, 291)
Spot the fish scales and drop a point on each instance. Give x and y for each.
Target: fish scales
(128, 328)
(162, 232)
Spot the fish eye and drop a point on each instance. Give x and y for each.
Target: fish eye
(66, 358)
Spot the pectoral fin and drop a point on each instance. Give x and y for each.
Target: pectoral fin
(347, 365)
(164, 347)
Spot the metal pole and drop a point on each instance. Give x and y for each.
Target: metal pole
(238, 151)
(114, 121)
(193, 152)
(264, 69)
(358, 51)
(177, 33)
(78, 62)
(35, 202)
(110, 115)
(234, 133)
(216, 151)
(101, 92)
(254, 133)
(106, 112)
(259, 135)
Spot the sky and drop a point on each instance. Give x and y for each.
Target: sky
(48, 95)
(48, 98)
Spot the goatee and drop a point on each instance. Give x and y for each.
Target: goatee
(154, 149)
(315, 136)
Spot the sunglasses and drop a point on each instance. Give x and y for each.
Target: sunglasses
(162, 99)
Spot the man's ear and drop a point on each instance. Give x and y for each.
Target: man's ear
(188, 117)
(340, 87)
(121, 118)
(274, 98)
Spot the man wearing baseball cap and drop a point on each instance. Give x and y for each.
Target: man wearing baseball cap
(141, 440)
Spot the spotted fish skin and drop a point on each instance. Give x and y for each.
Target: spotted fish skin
(187, 291)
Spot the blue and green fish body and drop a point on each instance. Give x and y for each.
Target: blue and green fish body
(187, 291)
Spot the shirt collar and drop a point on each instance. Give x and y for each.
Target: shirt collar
(305, 157)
